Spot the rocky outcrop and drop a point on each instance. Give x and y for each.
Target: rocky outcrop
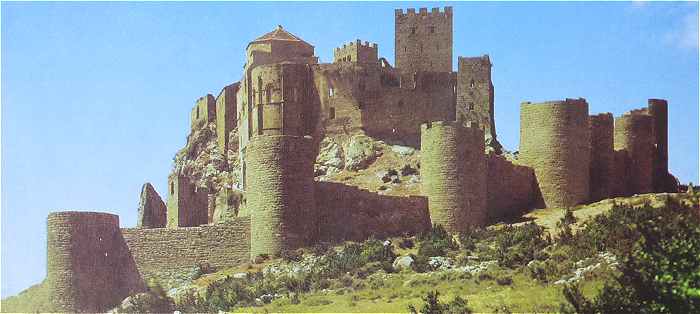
(330, 157)
(152, 209)
(361, 152)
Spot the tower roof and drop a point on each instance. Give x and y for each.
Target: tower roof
(279, 34)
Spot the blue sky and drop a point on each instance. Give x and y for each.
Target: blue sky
(96, 97)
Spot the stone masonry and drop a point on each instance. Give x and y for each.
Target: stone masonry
(244, 184)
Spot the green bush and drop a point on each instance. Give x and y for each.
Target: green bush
(432, 305)
(436, 242)
(660, 270)
(518, 245)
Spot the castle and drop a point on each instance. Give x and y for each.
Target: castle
(269, 127)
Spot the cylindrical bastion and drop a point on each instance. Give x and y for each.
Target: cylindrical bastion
(453, 170)
(633, 133)
(82, 273)
(554, 141)
(280, 193)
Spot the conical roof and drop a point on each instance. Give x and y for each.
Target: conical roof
(279, 34)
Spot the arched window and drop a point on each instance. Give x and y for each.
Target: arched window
(331, 92)
(268, 94)
(471, 83)
(260, 88)
(172, 188)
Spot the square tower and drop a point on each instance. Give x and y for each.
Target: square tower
(475, 93)
(356, 52)
(423, 41)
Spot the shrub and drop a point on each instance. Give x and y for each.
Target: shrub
(660, 271)
(504, 281)
(406, 243)
(436, 242)
(518, 245)
(432, 305)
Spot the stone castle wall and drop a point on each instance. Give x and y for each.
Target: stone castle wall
(351, 213)
(187, 204)
(89, 268)
(225, 115)
(162, 253)
(475, 93)
(602, 171)
(204, 112)
(510, 188)
(633, 134)
(357, 52)
(453, 169)
(280, 194)
(554, 141)
(662, 180)
(423, 40)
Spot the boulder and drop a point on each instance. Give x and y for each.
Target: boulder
(330, 156)
(403, 150)
(361, 152)
(402, 262)
(152, 209)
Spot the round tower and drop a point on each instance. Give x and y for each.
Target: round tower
(633, 134)
(602, 159)
(280, 193)
(453, 170)
(82, 271)
(554, 141)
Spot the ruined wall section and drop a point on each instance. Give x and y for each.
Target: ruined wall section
(453, 170)
(602, 171)
(164, 254)
(204, 112)
(187, 203)
(423, 41)
(510, 188)
(633, 134)
(475, 95)
(357, 52)
(225, 116)
(555, 142)
(348, 213)
(280, 195)
(89, 268)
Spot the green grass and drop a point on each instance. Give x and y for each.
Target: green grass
(400, 290)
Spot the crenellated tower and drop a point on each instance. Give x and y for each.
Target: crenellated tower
(423, 40)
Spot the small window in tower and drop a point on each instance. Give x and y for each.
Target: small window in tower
(432, 29)
(471, 106)
(172, 188)
(331, 92)
(413, 30)
(331, 114)
(471, 84)
(405, 49)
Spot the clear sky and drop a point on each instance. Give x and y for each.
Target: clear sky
(96, 97)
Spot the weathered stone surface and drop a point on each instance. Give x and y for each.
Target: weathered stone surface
(152, 209)
(403, 262)
(555, 141)
(453, 167)
(330, 156)
(361, 152)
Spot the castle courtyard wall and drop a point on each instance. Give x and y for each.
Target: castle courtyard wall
(510, 188)
(164, 253)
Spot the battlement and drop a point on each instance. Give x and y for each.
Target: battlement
(568, 101)
(357, 52)
(434, 12)
(484, 59)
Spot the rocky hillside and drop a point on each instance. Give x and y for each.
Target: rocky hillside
(531, 266)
